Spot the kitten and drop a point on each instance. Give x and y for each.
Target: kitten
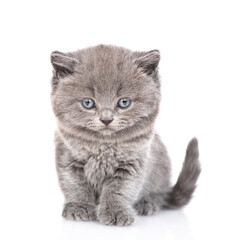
(111, 164)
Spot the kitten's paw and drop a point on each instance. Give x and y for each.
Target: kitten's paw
(145, 207)
(79, 211)
(117, 216)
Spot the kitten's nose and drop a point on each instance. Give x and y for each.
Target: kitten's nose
(106, 116)
(106, 122)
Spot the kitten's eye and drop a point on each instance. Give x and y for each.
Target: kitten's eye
(88, 103)
(124, 103)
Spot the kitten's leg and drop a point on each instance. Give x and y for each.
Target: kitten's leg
(117, 198)
(157, 184)
(79, 195)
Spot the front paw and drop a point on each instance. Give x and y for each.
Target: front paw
(79, 211)
(116, 215)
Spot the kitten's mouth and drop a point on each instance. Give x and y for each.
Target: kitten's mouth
(106, 130)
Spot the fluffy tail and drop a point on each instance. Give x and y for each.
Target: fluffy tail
(182, 191)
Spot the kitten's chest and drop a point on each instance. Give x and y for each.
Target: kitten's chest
(102, 162)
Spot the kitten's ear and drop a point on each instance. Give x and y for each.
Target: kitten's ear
(63, 64)
(147, 61)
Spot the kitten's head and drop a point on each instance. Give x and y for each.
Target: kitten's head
(105, 91)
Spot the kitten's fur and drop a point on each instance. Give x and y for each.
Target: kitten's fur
(113, 173)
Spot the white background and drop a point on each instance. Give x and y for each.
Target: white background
(198, 41)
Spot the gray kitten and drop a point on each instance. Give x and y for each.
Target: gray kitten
(111, 163)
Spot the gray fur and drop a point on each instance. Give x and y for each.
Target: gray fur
(113, 172)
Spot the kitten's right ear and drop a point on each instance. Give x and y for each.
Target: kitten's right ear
(63, 64)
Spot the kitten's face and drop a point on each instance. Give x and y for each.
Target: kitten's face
(104, 91)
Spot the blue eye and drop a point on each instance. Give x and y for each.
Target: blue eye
(124, 103)
(88, 103)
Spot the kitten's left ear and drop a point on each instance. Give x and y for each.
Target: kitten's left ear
(63, 64)
(147, 61)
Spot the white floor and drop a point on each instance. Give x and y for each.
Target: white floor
(43, 221)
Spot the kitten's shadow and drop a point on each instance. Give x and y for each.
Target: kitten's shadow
(165, 225)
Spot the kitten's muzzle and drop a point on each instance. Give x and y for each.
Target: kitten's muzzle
(106, 116)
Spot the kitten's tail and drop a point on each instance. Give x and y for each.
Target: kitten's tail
(182, 191)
